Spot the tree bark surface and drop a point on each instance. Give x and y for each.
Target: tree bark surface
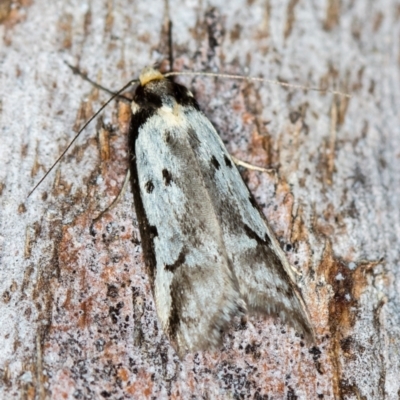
(77, 318)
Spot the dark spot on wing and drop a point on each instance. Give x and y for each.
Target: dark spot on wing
(167, 137)
(149, 186)
(167, 177)
(215, 162)
(285, 291)
(179, 261)
(253, 235)
(228, 162)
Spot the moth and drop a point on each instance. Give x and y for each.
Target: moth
(208, 249)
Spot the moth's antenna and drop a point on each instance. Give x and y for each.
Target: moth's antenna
(114, 95)
(170, 50)
(249, 78)
(169, 35)
(77, 71)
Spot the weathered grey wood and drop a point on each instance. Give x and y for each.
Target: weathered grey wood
(77, 318)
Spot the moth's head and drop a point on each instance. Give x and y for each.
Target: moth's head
(149, 74)
(156, 91)
(150, 91)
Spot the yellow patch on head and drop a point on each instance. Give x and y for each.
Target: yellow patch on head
(149, 74)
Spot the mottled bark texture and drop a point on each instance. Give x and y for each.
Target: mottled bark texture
(77, 317)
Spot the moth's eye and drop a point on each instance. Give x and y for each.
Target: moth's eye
(134, 107)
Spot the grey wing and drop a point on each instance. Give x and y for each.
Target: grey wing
(264, 275)
(195, 290)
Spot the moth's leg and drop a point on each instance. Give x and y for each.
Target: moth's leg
(77, 71)
(116, 200)
(252, 167)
